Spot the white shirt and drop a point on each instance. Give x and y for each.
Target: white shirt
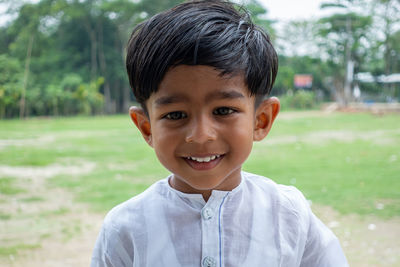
(259, 223)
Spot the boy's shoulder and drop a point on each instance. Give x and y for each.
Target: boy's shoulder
(131, 210)
(286, 197)
(287, 194)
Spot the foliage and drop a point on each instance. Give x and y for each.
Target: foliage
(258, 14)
(80, 38)
(300, 99)
(289, 66)
(10, 85)
(386, 48)
(284, 79)
(344, 39)
(84, 39)
(87, 38)
(298, 38)
(342, 30)
(359, 32)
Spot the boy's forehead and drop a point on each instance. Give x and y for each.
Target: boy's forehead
(201, 77)
(217, 94)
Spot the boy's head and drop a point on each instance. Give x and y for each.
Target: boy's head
(200, 72)
(211, 33)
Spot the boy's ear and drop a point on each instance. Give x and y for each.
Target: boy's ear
(142, 122)
(265, 115)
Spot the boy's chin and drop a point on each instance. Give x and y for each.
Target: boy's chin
(204, 182)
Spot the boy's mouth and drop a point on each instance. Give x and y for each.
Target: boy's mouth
(204, 159)
(204, 163)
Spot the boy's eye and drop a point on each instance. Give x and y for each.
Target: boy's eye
(176, 115)
(223, 111)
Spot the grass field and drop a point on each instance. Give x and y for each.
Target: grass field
(350, 162)
(59, 176)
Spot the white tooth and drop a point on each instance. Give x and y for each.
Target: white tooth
(205, 159)
(197, 159)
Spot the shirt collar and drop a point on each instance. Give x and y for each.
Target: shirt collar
(198, 200)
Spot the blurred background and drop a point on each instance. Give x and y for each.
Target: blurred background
(68, 151)
(67, 57)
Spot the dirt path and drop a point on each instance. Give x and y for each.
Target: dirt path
(367, 241)
(48, 228)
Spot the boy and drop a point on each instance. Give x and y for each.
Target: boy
(201, 72)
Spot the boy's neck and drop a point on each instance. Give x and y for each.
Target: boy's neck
(206, 195)
(183, 187)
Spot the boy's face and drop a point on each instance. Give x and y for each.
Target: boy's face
(202, 127)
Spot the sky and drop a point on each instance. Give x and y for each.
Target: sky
(283, 11)
(291, 9)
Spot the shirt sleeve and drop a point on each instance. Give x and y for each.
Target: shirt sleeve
(110, 250)
(322, 248)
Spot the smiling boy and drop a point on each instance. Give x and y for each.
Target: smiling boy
(202, 127)
(201, 72)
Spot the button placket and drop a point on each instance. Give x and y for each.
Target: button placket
(209, 224)
(211, 230)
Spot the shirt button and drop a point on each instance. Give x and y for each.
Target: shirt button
(207, 213)
(209, 262)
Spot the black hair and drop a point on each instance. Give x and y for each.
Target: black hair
(208, 32)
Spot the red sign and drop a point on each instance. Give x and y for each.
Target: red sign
(303, 80)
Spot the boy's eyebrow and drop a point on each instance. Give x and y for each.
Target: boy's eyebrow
(165, 100)
(224, 95)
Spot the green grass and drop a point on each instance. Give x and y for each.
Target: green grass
(4, 216)
(8, 187)
(59, 211)
(357, 173)
(32, 199)
(15, 249)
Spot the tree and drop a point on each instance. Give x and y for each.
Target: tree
(152, 7)
(387, 20)
(53, 42)
(385, 55)
(125, 15)
(342, 39)
(291, 65)
(10, 85)
(259, 16)
(297, 38)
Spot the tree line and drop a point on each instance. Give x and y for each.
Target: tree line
(66, 57)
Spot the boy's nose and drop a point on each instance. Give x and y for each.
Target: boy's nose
(201, 130)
